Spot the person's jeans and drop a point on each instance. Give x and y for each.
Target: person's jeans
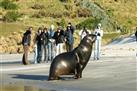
(69, 47)
(51, 51)
(45, 53)
(35, 54)
(25, 55)
(97, 49)
(39, 51)
(59, 48)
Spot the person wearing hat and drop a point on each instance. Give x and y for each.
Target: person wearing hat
(99, 34)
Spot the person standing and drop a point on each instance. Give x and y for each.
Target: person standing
(26, 41)
(71, 28)
(136, 34)
(39, 45)
(99, 34)
(45, 43)
(83, 33)
(59, 39)
(69, 39)
(35, 47)
(51, 44)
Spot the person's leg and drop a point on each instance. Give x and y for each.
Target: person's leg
(35, 54)
(25, 56)
(57, 49)
(53, 51)
(71, 47)
(39, 54)
(45, 53)
(66, 44)
(98, 49)
(95, 50)
(61, 47)
(49, 51)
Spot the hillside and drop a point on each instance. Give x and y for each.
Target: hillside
(17, 15)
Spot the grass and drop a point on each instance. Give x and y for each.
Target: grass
(109, 37)
(7, 29)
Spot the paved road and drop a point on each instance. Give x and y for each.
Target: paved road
(108, 74)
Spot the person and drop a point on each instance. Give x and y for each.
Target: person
(44, 43)
(83, 33)
(35, 47)
(51, 44)
(71, 28)
(59, 39)
(99, 34)
(26, 41)
(136, 34)
(39, 45)
(45, 36)
(69, 40)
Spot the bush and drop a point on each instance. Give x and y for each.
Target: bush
(11, 16)
(84, 12)
(65, 0)
(38, 6)
(8, 5)
(90, 23)
(42, 13)
(63, 22)
(39, 14)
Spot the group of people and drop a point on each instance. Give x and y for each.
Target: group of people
(49, 43)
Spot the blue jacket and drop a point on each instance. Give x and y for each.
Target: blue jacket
(69, 37)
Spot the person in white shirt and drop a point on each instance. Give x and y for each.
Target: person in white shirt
(99, 33)
(83, 32)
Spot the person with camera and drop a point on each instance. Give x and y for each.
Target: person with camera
(99, 34)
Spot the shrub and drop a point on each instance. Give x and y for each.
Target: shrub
(63, 23)
(84, 12)
(40, 14)
(38, 6)
(8, 5)
(90, 23)
(65, 0)
(11, 16)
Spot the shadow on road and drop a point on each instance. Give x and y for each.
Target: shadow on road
(30, 77)
(41, 77)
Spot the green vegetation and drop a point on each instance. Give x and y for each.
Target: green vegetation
(8, 5)
(11, 16)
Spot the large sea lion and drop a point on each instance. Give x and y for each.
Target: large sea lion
(72, 62)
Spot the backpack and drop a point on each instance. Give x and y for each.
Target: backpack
(25, 40)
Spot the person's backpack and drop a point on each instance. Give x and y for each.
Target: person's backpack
(25, 40)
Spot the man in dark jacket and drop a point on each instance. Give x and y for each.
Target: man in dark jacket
(69, 39)
(39, 40)
(59, 39)
(26, 40)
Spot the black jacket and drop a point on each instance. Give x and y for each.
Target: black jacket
(26, 40)
(59, 37)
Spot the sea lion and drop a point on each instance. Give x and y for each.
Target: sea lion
(72, 62)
